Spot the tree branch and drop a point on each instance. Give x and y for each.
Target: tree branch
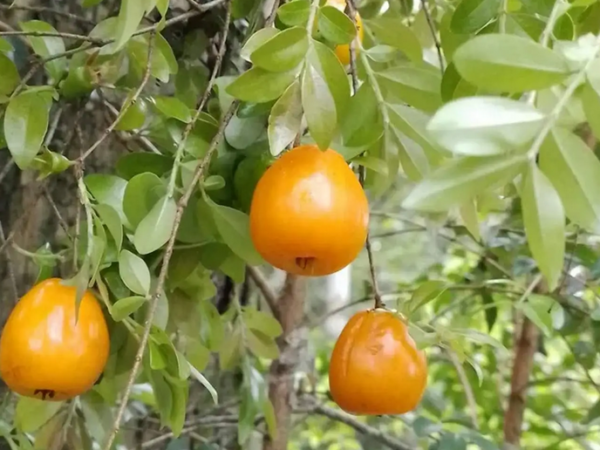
(265, 289)
(281, 383)
(525, 348)
(353, 422)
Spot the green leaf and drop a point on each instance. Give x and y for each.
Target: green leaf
(537, 309)
(270, 419)
(108, 190)
(481, 126)
(574, 171)
(335, 26)
(479, 337)
(126, 306)
(230, 351)
(173, 107)
(111, 219)
(141, 194)
(31, 413)
(162, 394)
(261, 321)
(454, 86)
(425, 293)
(132, 164)
(261, 345)
(25, 125)
(10, 75)
(294, 13)
(5, 46)
(509, 63)
(155, 229)
(234, 228)
(190, 83)
(419, 86)
(204, 382)
(257, 40)
(362, 124)
(47, 46)
(258, 85)
(329, 67)
(134, 272)
(131, 13)
(282, 52)
(413, 124)
(134, 115)
(462, 179)
(391, 31)
(472, 15)
(319, 107)
(413, 159)
(285, 120)
(590, 98)
(593, 412)
(382, 53)
(544, 220)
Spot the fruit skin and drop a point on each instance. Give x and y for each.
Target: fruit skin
(375, 367)
(343, 51)
(309, 214)
(42, 348)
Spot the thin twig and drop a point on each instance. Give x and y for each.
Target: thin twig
(55, 12)
(434, 36)
(163, 272)
(351, 8)
(181, 204)
(57, 213)
(53, 126)
(265, 289)
(142, 139)
(350, 12)
(270, 20)
(203, 7)
(59, 34)
(127, 105)
(6, 169)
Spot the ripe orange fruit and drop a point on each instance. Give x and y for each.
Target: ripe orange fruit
(375, 366)
(309, 214)
(44, 353)
(343, 51)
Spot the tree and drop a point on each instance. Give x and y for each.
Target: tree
(135, 133)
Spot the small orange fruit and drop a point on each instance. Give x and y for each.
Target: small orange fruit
(44, 353)
(309, 214)
(343, 51)
(375, 366)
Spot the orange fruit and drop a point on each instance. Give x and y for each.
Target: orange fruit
(44, 353)
(309, 214)
(375, 366)
(343, 51)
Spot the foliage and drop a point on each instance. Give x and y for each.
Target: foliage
(475, 122)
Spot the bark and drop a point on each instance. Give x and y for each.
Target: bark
(525, 348)
(290, 309)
